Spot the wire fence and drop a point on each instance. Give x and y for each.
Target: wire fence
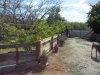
(80, 33)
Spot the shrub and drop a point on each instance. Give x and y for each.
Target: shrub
(44, 53)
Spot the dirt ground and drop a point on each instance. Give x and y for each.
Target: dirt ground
(74, 58)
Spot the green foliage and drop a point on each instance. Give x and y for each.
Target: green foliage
(11, 34)
(59, 26)
(94, 18)
(56, 23)
(12, 30)
(15, 35)
(78, 26)
(44, 53)
(1, 21)
(42, 30)
(23, 36)
(54, 16)
(54, 12)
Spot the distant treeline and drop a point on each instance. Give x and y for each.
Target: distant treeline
(78, 25)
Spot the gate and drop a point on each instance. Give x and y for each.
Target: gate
(85, 34)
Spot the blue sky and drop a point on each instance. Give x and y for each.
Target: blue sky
(76, 10)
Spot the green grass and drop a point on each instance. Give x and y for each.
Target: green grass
(3, 51)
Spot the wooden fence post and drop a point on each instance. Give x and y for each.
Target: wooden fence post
(80, 33)
(58, 37)
(51, 43)
(38, 50)
(17, 56)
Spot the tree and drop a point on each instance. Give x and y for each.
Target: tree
(54, 15)
(36, 13)
(14, 6)
(3, 8)
(9, 10)
(55, 21)
(94, 18)
(30, 15)
(27, 12)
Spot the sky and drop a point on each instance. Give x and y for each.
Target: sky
(76, 10)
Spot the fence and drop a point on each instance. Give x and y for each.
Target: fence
(80, 33)
(49, 43)
(19, 57)
(16, 54)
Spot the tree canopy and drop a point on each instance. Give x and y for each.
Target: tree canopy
(94, 18)
(25, 11)
(54, 16)
(43, 28)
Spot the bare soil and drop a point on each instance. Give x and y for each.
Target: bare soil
(74, 58)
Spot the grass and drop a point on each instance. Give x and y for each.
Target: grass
(3, 51)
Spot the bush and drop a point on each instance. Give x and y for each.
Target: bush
(44, 53)
(61, 40)
(41, 31)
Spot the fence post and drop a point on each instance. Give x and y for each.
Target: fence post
(80, 33)
(17, 56)
(58, 37)
(51, 43)
(38, 50)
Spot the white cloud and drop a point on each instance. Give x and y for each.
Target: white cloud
(71, 13)
(77, 11)
(80, 6)
(92, 1)
(82, 1)
(73, 16)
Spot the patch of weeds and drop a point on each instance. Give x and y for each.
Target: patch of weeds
(44, 53)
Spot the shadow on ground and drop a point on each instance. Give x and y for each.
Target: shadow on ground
(40, 66)
(95, 59)
(37, 68)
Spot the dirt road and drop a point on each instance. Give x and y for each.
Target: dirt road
(72, 59)
(80, 58)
